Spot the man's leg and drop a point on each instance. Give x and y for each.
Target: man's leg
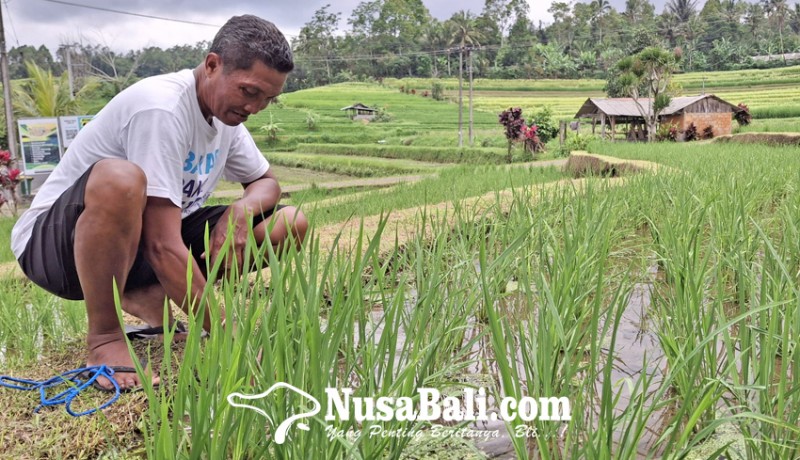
(106, 241)
(147, 303)
(287, 220)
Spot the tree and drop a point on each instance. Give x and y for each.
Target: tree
(116, 71)
(683, 10)
(17, 57)
(45, 95)
(465, 33)
(794, 19)
(434, 39)
(504, 13)
(754, 18)
(651, 70)
(777, 12)
(638, 11)
(599, 9)
(316, 41)
(398, 24)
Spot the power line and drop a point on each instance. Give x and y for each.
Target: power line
(129, 13)
(13, 29)
(141, 15)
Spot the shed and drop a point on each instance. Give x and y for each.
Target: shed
(704, 111)
(359, 111)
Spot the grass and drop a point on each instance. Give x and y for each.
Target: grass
(6, 224)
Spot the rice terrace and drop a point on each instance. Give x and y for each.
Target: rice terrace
(600, 299)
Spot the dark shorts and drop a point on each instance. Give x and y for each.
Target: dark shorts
(49, 258)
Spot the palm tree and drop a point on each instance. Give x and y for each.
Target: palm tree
(778, 11)
(44, 95)
(794, 19)
(434, 39)
(465, 32)
(599, 9)
(754, 16)
(683, 10)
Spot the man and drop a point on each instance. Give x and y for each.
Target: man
(124, 204)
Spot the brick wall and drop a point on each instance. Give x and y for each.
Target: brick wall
(720, 122)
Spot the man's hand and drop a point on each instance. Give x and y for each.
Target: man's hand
(237, 217)
(259, 196)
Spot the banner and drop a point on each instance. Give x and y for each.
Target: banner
(41, 145)
(70, 126)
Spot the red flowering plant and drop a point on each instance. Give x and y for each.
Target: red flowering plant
(9, 180)
(530, 136)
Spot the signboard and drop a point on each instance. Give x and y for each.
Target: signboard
(41, 145)
(70, 126)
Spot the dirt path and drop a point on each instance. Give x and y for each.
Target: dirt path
(379, 181)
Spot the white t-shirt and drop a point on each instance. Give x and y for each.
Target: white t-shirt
(156, 124)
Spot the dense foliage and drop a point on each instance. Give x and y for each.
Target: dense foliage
(400, 38)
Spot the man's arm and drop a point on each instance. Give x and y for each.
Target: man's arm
(259, 195)
(165, 251)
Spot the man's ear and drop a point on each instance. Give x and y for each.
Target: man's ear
(213, 64)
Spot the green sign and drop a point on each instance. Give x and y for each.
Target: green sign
(41, 146)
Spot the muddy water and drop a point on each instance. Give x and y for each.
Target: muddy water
(637, 351)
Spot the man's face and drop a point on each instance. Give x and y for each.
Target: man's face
(234, 95)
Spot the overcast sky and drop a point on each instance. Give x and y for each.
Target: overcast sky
(51, 22)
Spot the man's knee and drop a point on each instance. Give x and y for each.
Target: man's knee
(296, 221)
(116, 179)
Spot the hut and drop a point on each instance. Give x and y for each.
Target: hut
(359, 111)
(704, 111)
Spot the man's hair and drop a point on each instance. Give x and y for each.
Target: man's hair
(243, 39)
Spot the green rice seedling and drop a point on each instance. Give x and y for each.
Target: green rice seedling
(766, 387)
(451, 184)
(428, 154)
(315, 325)
(781, 111)
(351, 166)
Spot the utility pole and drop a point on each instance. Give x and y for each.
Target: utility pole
(10, 128)
(471, 132)
(69, 73)
(461, 96)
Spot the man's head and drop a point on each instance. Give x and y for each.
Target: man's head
(245, 39)
(244, 70)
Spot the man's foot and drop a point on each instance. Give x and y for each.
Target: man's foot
(112, 350)
(180, 333)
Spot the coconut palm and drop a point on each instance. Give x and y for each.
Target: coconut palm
(754, 17)
(465, 32)
(683, 10)
(434, 38)
(599, 9)
(778, 12)
(44, 95)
